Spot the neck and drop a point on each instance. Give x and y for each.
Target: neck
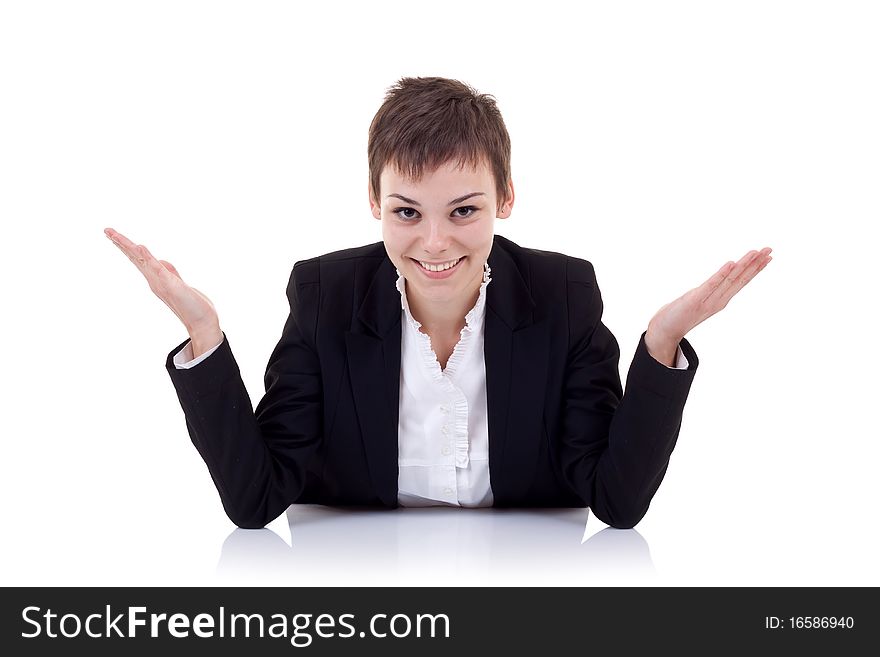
(441, 317)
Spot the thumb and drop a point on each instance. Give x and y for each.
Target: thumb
(171, 268)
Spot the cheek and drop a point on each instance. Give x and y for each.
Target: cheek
(389, 235)
(396, 243)
(480, 239)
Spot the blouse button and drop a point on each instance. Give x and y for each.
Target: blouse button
(447, 490)
(444, 429)
(446, 451)
(444, 409)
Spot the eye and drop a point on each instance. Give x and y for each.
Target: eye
(405, 217)
(470, 211)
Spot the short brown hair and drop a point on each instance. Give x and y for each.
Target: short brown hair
(425, 122)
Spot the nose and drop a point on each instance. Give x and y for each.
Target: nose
(436, 237)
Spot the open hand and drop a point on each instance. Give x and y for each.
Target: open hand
(673, 321)
(192, 307)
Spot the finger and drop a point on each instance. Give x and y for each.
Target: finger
(711, 285)
(125, 245)
(753, 267)
(716, 286)
(721, 286)
(152, 267)
(764, 264)
(757, 264)
(743, 264)
(130, 253)
(733, 282)
(738, 277)
(118, 238)
(138, 253)
(152, 270)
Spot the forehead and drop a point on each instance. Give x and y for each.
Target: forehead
(447, 175)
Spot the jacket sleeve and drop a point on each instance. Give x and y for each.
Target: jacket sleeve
(616, 446)
(257, 459)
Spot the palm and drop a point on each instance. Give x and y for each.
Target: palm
(192, 307)
(678, 317)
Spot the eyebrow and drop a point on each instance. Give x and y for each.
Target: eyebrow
(452, 202)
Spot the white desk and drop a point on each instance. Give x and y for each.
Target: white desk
(435, 546)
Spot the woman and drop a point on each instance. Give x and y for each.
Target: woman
(445, 364)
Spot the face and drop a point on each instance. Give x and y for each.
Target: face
(446, 217)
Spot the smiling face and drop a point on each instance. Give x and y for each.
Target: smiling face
(445, 217)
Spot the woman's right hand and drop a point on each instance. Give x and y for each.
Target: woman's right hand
(192, 307)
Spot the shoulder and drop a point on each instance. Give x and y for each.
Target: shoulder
(326, 290)
(336, 263)
(541, 267)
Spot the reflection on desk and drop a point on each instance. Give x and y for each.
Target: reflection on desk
(435, 546)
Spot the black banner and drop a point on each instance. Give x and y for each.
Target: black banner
(112, 621)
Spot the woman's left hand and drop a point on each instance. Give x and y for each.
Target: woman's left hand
(674, 320)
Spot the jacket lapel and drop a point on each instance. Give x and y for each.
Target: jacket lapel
(516, 347)
(374, 364)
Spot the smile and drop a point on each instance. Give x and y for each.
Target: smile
(438, 267)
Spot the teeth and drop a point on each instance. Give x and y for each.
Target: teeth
(444, 266)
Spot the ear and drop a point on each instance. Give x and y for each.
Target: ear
(375, 208)
(506, 208)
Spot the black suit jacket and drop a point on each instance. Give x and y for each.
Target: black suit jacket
(561, 431)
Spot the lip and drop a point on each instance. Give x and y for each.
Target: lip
(436, 275)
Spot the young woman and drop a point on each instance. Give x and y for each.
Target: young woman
(444, 364)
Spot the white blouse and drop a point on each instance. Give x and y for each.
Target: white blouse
(443, 430)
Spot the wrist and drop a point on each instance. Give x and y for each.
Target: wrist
(661, 348)
(205, 338)
(207, 327)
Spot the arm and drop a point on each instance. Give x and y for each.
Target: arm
(257, 458)
(615, 446)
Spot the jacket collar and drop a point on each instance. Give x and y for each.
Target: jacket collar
(380, 308)
(512, 301)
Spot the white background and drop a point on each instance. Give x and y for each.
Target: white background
(656, 139)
